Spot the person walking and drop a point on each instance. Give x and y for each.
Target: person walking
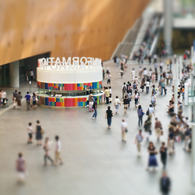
(138, 140)
(163, 154)
(58, 150)
(158, 128)
(46, 148)
(15, 93)
(117, 103)
(30, 132)
(34, 101)
(20, 167)
(163, 87)
(153, 98)
(126, 103)
(27, 96)
(18, 99)
(136, 98)
(133, 74)
(147, 127)
(165, 184)
(108, 116)
(107, 92)
(150, 111)
(140, 115)
(152, 162)
(124, 90)
(95, 109)
(124, 130)
(39, 131)
(187, 135)
(171, 141)
(31, 75)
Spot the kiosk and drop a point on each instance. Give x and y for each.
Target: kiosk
(69, 83)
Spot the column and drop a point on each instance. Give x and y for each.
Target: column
(176, 88)
(14, 74)
(175, 95)
(193, 154)
(168, 22)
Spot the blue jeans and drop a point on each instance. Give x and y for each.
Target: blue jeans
(109, 120)
(95, 113)
(170, 66)
(140, 120)
(163, 88)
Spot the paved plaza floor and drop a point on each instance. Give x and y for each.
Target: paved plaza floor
(96, 162)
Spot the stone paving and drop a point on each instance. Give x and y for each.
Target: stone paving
(96, 162)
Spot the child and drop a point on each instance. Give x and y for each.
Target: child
(110, 91)
(109, 79)
(134, 86)
(30, 132)
(133, 73)
(129, 97)
(153, 89)
(147, 86)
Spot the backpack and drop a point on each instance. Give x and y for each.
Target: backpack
(124, 88)
(129, 89)
(94, 105)
(134, 86)
(107, 71)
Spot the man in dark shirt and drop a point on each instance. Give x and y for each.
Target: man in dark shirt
(187, 136)
(95, 109)
(14, 98)
(165, 184)
(171, 141)
(163, 154)
(27, 96)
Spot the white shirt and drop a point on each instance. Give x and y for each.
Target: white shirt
(145, 72)
(133, 72)
(147, 84)
(124, 125)
(31, 73)
(110, 91)
(161, 64)
(29, 129)
(153, 98)
(150, 110)
(150, 73)
(3, 94)
(117, 101)
(58, 146)
(109, 76)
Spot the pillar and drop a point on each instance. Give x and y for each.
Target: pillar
(180, 67)
(168, 22)
(175, 95)
(186, 100)
(14, 74)
(193, 154)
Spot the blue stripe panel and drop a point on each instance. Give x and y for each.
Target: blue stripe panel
(46, 86)
(46, 101)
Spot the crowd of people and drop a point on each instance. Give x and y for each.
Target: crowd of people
(153, 81)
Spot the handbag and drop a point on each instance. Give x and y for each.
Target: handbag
(42, 131)
(143, 113)
(161, 132)
(147, 112)
(126, 130)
